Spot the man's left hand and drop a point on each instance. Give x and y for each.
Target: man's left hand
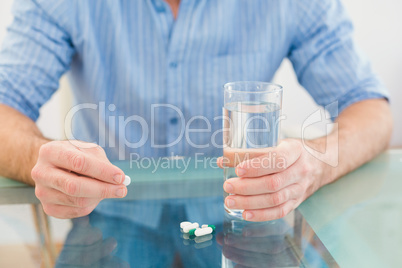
(271, 185)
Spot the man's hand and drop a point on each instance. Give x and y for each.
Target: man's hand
(273, 183)
(268, 192)
(72, 177)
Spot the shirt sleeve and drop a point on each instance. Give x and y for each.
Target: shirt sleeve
(35, 53)
(326, 59)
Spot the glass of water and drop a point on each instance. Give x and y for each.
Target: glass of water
(251, 123)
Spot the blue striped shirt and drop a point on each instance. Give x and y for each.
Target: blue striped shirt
(131, 58)
(130, 62)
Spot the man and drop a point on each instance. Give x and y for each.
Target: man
(166, 62)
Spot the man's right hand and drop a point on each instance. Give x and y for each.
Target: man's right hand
(72, 177)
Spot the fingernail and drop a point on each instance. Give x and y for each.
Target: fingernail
(248, 216)
(228, 187)
(118, 178)
(240, 172)
(230, 202)
(120, 192)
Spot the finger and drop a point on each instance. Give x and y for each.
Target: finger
(264, 200)
(269, 214)
(73, 159)
(275, 160)
(219, 162)
(232, 156)
(261, 185)
(87, 147)
(65, 212)
(79, 186)
(52, 196)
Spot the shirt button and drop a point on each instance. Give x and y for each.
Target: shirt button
(173, 64)
(159, 6)
(173, 121)
(160, 9)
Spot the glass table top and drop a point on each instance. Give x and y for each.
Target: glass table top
(354, 222)
(359, 217)
(107, 241)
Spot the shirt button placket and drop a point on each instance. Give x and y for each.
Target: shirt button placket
(174, 80)
(172, 116)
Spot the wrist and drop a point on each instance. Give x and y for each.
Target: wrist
(33, 152)
(324, 155)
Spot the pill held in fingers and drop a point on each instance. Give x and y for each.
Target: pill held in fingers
(127, 181)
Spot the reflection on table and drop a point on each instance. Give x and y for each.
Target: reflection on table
(101, 240)
(357, 220)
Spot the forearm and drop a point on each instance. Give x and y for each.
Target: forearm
(267, 192)
(20, 142)
(363, 131)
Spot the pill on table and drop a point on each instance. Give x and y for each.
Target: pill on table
(184, 223)
(208, 225)
(192, 231)
(187, 228)
(203, 231)
(127, 181)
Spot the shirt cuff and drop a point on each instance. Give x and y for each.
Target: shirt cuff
(336, 107)
(18, 104)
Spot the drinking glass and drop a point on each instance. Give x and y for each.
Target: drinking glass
(251, 123)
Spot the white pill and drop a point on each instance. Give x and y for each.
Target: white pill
(203, 231)
(187, 228)
(204, 226)
(184, 223)
(127, 181)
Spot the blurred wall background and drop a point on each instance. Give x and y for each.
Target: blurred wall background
(378, 33)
